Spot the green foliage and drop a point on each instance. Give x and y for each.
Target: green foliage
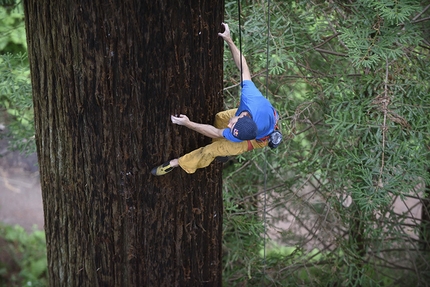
(16, 102)
(393, 12)
(7, 3)
(28, 252)
(12, 28)
(16, 107)
(351, 84)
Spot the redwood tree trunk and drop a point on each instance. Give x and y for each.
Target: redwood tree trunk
(106, 77)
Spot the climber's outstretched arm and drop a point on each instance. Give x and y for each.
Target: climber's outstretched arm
(204, 129)
(246, 75)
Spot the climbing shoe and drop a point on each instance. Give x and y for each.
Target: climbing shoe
(162, 169)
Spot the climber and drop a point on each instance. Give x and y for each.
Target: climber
(251, 125)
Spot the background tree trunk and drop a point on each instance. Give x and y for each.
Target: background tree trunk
(425, 219)
(106, 77)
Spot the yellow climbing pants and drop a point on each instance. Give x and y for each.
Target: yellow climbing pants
(203, 156)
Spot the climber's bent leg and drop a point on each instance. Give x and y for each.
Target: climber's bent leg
(203, 156)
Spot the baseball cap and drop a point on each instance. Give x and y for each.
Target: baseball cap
(244, 129)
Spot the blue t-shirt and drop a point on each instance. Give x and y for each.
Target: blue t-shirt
(259, 107)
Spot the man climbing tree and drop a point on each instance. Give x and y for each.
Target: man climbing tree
(235, 131)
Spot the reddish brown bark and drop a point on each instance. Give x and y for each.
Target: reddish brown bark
(106, 77)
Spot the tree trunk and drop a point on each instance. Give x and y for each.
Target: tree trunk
(425, 219)
(106, 77)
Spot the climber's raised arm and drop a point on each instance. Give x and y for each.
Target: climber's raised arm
(205, 129)
(246, 75)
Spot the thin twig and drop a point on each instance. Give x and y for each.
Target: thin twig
(420, 20)
(384, 126)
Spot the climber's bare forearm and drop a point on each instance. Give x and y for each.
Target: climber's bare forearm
(204, 129)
